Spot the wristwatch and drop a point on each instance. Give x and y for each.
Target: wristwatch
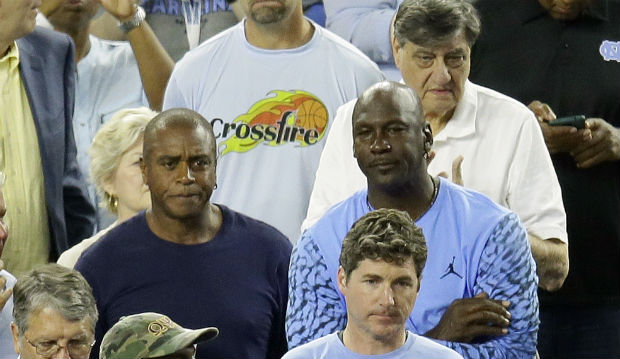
(135, 21)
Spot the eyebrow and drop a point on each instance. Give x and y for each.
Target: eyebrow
(80, 336)
(423, 51)
(168, 157)
(458, 51)
(371, 276)
(199, 156)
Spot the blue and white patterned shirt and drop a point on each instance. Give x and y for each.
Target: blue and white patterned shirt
(474, 246)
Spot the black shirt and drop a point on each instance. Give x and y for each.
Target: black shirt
(526, 54)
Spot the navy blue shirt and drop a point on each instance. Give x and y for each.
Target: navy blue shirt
(236, 282)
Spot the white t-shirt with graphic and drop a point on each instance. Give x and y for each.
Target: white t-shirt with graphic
(270, 111)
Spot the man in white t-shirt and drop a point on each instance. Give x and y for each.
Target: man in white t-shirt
(270, 87)
(379, 275)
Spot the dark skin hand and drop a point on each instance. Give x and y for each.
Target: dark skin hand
(603, 147)
(559, 139)
(598, 142)
(469, 318)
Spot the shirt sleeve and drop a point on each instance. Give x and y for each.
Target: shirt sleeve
(507, 272)
(534, 191)
(364, 23)
(173, 98)
(315, 307)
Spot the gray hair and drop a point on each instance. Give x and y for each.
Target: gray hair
(428, 22)
(111, 142)
(53, 286)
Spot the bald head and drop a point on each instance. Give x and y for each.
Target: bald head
(391, 139)
(175, 118)
(178, 165)
(390, 96)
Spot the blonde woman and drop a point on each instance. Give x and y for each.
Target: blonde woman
(115, 171)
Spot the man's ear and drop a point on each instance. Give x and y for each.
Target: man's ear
(396, 52)
(342, 280)
(428, 137)
(15, 332)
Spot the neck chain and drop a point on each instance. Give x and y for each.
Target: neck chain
(430, 203)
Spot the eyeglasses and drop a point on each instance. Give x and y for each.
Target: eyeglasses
(78, 349)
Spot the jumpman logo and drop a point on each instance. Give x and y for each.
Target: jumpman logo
(450, 270)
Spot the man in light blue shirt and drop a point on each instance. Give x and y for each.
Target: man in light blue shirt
(478, 288)
(379, 275)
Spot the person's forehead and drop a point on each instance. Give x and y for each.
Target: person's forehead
(455, 42)
(180, 129)
(48, 321)
(190, 136)
(382, 267)
(397, 106)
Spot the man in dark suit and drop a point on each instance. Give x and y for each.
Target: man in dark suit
(44, 188)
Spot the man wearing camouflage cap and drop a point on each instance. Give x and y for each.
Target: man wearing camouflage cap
(152, 335)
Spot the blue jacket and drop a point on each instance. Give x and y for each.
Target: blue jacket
(47, 69)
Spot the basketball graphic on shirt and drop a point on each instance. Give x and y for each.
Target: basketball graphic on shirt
(312, 114)
(284, 117)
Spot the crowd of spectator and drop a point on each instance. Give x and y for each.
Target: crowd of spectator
(248, 179)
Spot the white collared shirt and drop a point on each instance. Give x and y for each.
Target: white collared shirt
(505, 158)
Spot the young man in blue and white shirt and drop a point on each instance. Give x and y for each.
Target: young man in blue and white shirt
(379, 275)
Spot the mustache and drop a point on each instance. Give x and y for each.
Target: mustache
(389, 312)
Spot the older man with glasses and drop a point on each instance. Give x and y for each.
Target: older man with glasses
(54, 314)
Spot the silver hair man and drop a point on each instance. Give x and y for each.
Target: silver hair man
(54, 314)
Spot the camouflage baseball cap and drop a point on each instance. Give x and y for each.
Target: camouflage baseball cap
(148, 335)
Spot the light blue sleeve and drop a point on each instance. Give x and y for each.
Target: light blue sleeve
(6, 316)
(315, 308)
(365, 24)
(173, 97)
(507, 271)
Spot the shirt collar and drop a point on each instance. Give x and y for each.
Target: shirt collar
(463, 121)
(12, 57)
